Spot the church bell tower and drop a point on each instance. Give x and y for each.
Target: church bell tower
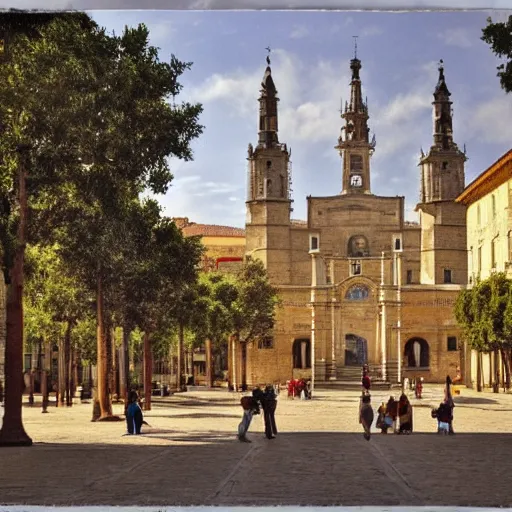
(268, 196)
(443, 221)
(354, 143)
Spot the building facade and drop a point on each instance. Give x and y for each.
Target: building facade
(359, 284)
(489, 238)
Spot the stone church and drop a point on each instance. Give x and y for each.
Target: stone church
(359, 284)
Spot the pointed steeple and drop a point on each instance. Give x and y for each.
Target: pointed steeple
(443, 132)
(442, 168)
(268, 110)
(354, 144)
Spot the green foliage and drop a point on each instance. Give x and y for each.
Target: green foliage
(499, 37)
(52, 298)
(484, 313)
(255, 307)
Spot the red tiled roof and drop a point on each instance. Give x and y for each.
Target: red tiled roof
(212, 230)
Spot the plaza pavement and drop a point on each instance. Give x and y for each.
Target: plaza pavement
(190, 455)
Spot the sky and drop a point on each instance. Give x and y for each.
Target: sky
(311, 53)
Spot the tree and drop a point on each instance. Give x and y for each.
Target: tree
(255, 307)
(86, 118)
(484, 313)
(54, 304)
(499, 37)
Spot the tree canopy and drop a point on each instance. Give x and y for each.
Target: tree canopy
(498, 36)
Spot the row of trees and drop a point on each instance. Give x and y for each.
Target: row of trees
(88, 122)
(485, 314)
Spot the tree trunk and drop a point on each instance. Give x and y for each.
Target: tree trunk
(479, 371)
(102, 395)
(243, 353)
(67, 364)
(108, 336)
(148, 371)
(75, 358)
(124, 381)
(496, 388)
(12, 432)
(61, 372)
(505, 368)
(209, 363)
(113, 365)
(181, 359)
(506, 363)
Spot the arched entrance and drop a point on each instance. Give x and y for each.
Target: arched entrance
(302, 353)
(356, 350)
(417, 353)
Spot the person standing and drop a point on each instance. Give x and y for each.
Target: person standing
(366, 381)
(448, 401)
(405, 415)
(269, 403)
(134, 417)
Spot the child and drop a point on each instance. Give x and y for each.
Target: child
(381, 419)
(134, 418)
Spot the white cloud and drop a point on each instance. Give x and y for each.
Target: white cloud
(371, 31)
(161, 31)
(491, 120)
(456, 37)
(299, 31)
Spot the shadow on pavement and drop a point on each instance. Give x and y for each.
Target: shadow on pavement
(194, 415)
(310, 468)
(473, 400)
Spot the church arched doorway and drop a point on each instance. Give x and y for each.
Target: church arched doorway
(417, 353)
(356, 350)
(302, 354)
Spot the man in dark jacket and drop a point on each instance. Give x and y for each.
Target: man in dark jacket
(269, 403)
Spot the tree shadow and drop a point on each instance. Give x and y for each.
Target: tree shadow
(198, 415)
(213, 468)
(473, 400)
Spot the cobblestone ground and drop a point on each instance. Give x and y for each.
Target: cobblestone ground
(189, 455)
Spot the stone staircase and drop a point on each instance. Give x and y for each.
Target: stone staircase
(349, 377)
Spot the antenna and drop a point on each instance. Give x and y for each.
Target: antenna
(355, 46)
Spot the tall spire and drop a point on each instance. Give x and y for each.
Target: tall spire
(268, 109)
(443, 131)
(354, 144)
(442, 168)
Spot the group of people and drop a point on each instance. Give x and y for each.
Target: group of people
(400, 412)
(299, 388)
(393, 412)
(267, 400)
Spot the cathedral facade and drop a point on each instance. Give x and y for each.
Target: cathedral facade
(359, 284)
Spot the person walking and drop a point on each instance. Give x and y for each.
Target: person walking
(366, 414)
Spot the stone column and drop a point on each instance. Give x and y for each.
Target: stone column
(303, 346)
(383, 321)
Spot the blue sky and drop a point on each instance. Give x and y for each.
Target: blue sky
(310, 65)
